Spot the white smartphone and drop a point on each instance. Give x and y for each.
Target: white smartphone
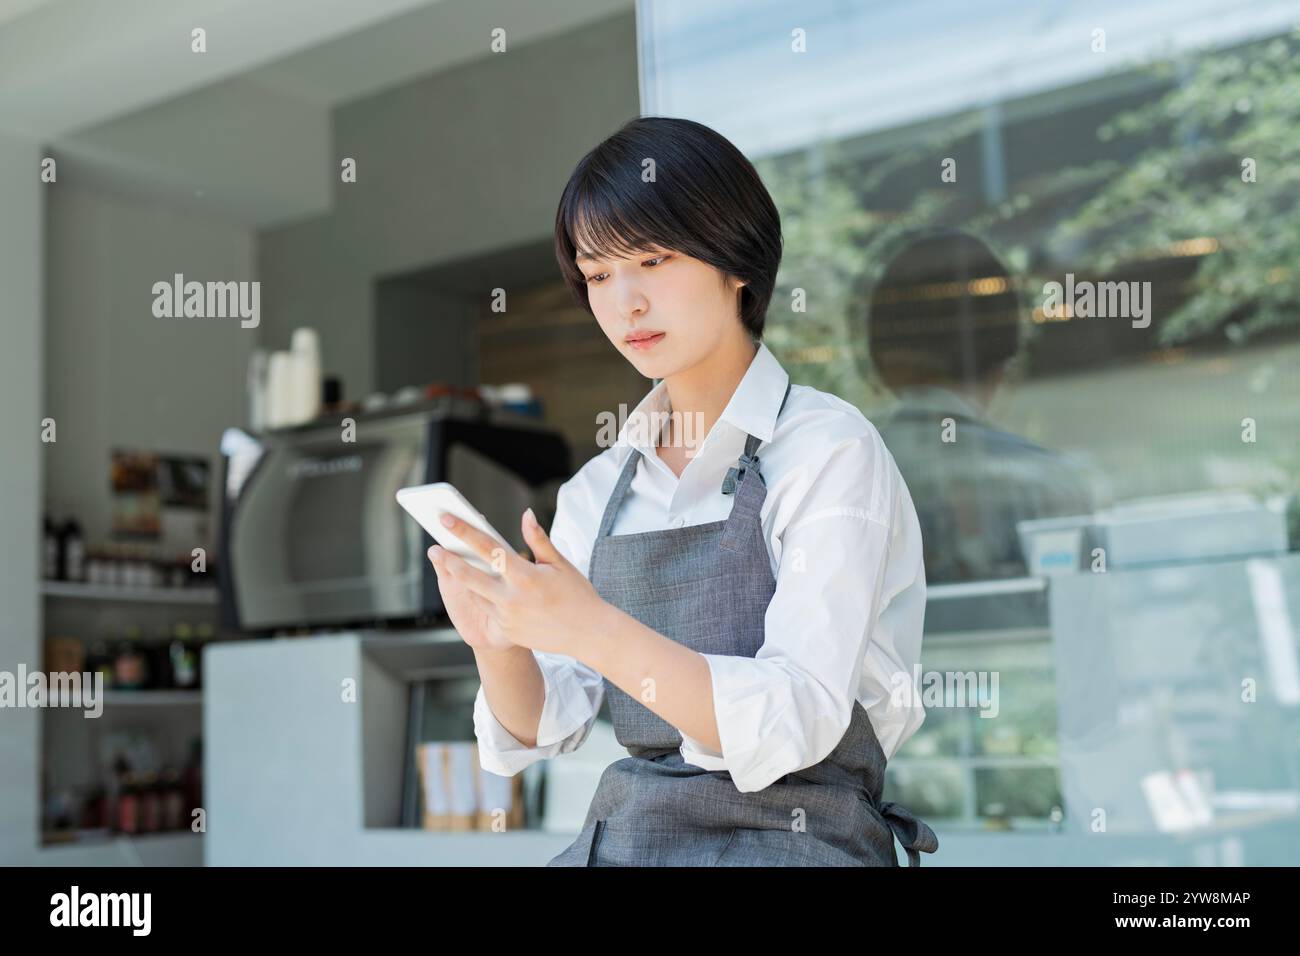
(427, 504)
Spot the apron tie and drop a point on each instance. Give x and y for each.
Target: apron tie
(914, 833)
(736, 472)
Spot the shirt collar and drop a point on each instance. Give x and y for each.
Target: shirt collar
(753, 406)
(757, 399)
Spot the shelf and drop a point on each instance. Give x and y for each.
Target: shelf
(53, 838)
(153, 698)
(107, 592)
(968, 589)
(980, 760)
(145, 698)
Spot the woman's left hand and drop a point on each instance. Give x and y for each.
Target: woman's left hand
(547, 606)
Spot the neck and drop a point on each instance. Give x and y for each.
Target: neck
(701, 392)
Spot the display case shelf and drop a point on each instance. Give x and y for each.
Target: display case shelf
(146, 595)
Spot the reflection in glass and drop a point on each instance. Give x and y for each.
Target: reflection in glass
(943, 326)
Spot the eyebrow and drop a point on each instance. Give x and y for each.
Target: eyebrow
(591, 257)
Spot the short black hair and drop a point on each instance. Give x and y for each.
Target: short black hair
(707, 201)
(945, 307)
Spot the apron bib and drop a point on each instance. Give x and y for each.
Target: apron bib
(708, 586)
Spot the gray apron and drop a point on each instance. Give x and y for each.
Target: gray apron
(708, 586)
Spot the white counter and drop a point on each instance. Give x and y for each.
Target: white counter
(296, 775)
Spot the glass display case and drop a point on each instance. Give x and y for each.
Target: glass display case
(986, 756)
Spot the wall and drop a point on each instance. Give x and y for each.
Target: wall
(460, 163)
(117, 376)
(21, 253)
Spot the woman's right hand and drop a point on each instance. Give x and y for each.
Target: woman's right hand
(469, 613)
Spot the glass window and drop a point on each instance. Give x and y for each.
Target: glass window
(1051, 252)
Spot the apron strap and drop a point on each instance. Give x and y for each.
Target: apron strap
(616, 496)
(749, 459)
(913, 832)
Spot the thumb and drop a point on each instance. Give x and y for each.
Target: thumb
(539, 541)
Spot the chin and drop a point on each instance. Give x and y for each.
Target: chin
(653, 366)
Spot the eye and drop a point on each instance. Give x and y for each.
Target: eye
(656, 260)
(596, 278)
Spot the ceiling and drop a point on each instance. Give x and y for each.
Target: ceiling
(13, 9)
(118, 96)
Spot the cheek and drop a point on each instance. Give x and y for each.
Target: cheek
(604, 312)
(701, 289)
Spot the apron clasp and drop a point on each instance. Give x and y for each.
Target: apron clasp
(737, 472)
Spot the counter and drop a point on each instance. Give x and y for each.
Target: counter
(299, 772)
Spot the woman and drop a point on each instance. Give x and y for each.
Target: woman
(742, 620)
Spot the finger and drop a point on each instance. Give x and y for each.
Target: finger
(484, 545)
(485, 585)
(544, 549)
(438, 558)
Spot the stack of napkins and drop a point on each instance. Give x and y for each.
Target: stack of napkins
(457, 794)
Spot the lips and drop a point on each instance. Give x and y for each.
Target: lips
(644, 340)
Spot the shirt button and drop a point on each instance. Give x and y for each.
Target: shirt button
(678, 522)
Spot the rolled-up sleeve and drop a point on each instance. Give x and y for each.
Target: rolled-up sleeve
(573, 697)
(573, 691)
(789, 706)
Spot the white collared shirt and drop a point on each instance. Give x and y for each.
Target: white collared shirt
(845, 619)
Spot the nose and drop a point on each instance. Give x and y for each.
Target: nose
(631, 301)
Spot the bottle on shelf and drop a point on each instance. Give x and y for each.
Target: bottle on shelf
(61, 809)
(94, 809)
(183, 657)
(131, 576)
(205, 634)
(116, 788)
(128, 804)
(157, 575)
(73, 549)
(192, 782)
(174, 572)
(152, 568)
(130, 668)
(131, 566)
(99, 659)
(51, 551)
(135, 565)
(114, 565)
(150, 803)
(173, 800)
(160, 668)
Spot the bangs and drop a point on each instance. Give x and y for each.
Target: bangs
(607, 224)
